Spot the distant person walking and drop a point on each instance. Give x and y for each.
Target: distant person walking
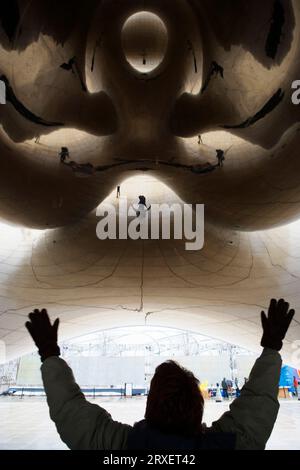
(64, 154)
(219, 397)
(229, 387)
(225, 388)
(220, 157)
(142, 207)
(142, 201)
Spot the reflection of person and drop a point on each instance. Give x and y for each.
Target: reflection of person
(64, 154)
(142, 201)
(217, 69)
(118, 191)
(173, 418)
(220, 157)
(142, 207)
(229, 387)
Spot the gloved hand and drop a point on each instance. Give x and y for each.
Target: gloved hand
(43, 333)
(276, 324)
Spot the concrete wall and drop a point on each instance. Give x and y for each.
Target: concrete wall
(106, 371)
(89, 371)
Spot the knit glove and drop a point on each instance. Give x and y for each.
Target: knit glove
(43, 333)
(276, 324)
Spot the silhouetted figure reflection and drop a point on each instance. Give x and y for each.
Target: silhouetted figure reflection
(142, 207)
(217, 69)
(220, 157)
(64, 154)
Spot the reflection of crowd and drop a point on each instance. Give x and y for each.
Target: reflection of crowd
(227, 389)
(224, 390)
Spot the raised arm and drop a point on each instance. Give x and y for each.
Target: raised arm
(252, 416)
(80, 424)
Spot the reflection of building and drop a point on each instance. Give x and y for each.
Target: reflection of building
(106, 360)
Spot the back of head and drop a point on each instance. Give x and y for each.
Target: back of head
(175, 403)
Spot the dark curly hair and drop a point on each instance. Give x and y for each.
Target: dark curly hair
(175, 403)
